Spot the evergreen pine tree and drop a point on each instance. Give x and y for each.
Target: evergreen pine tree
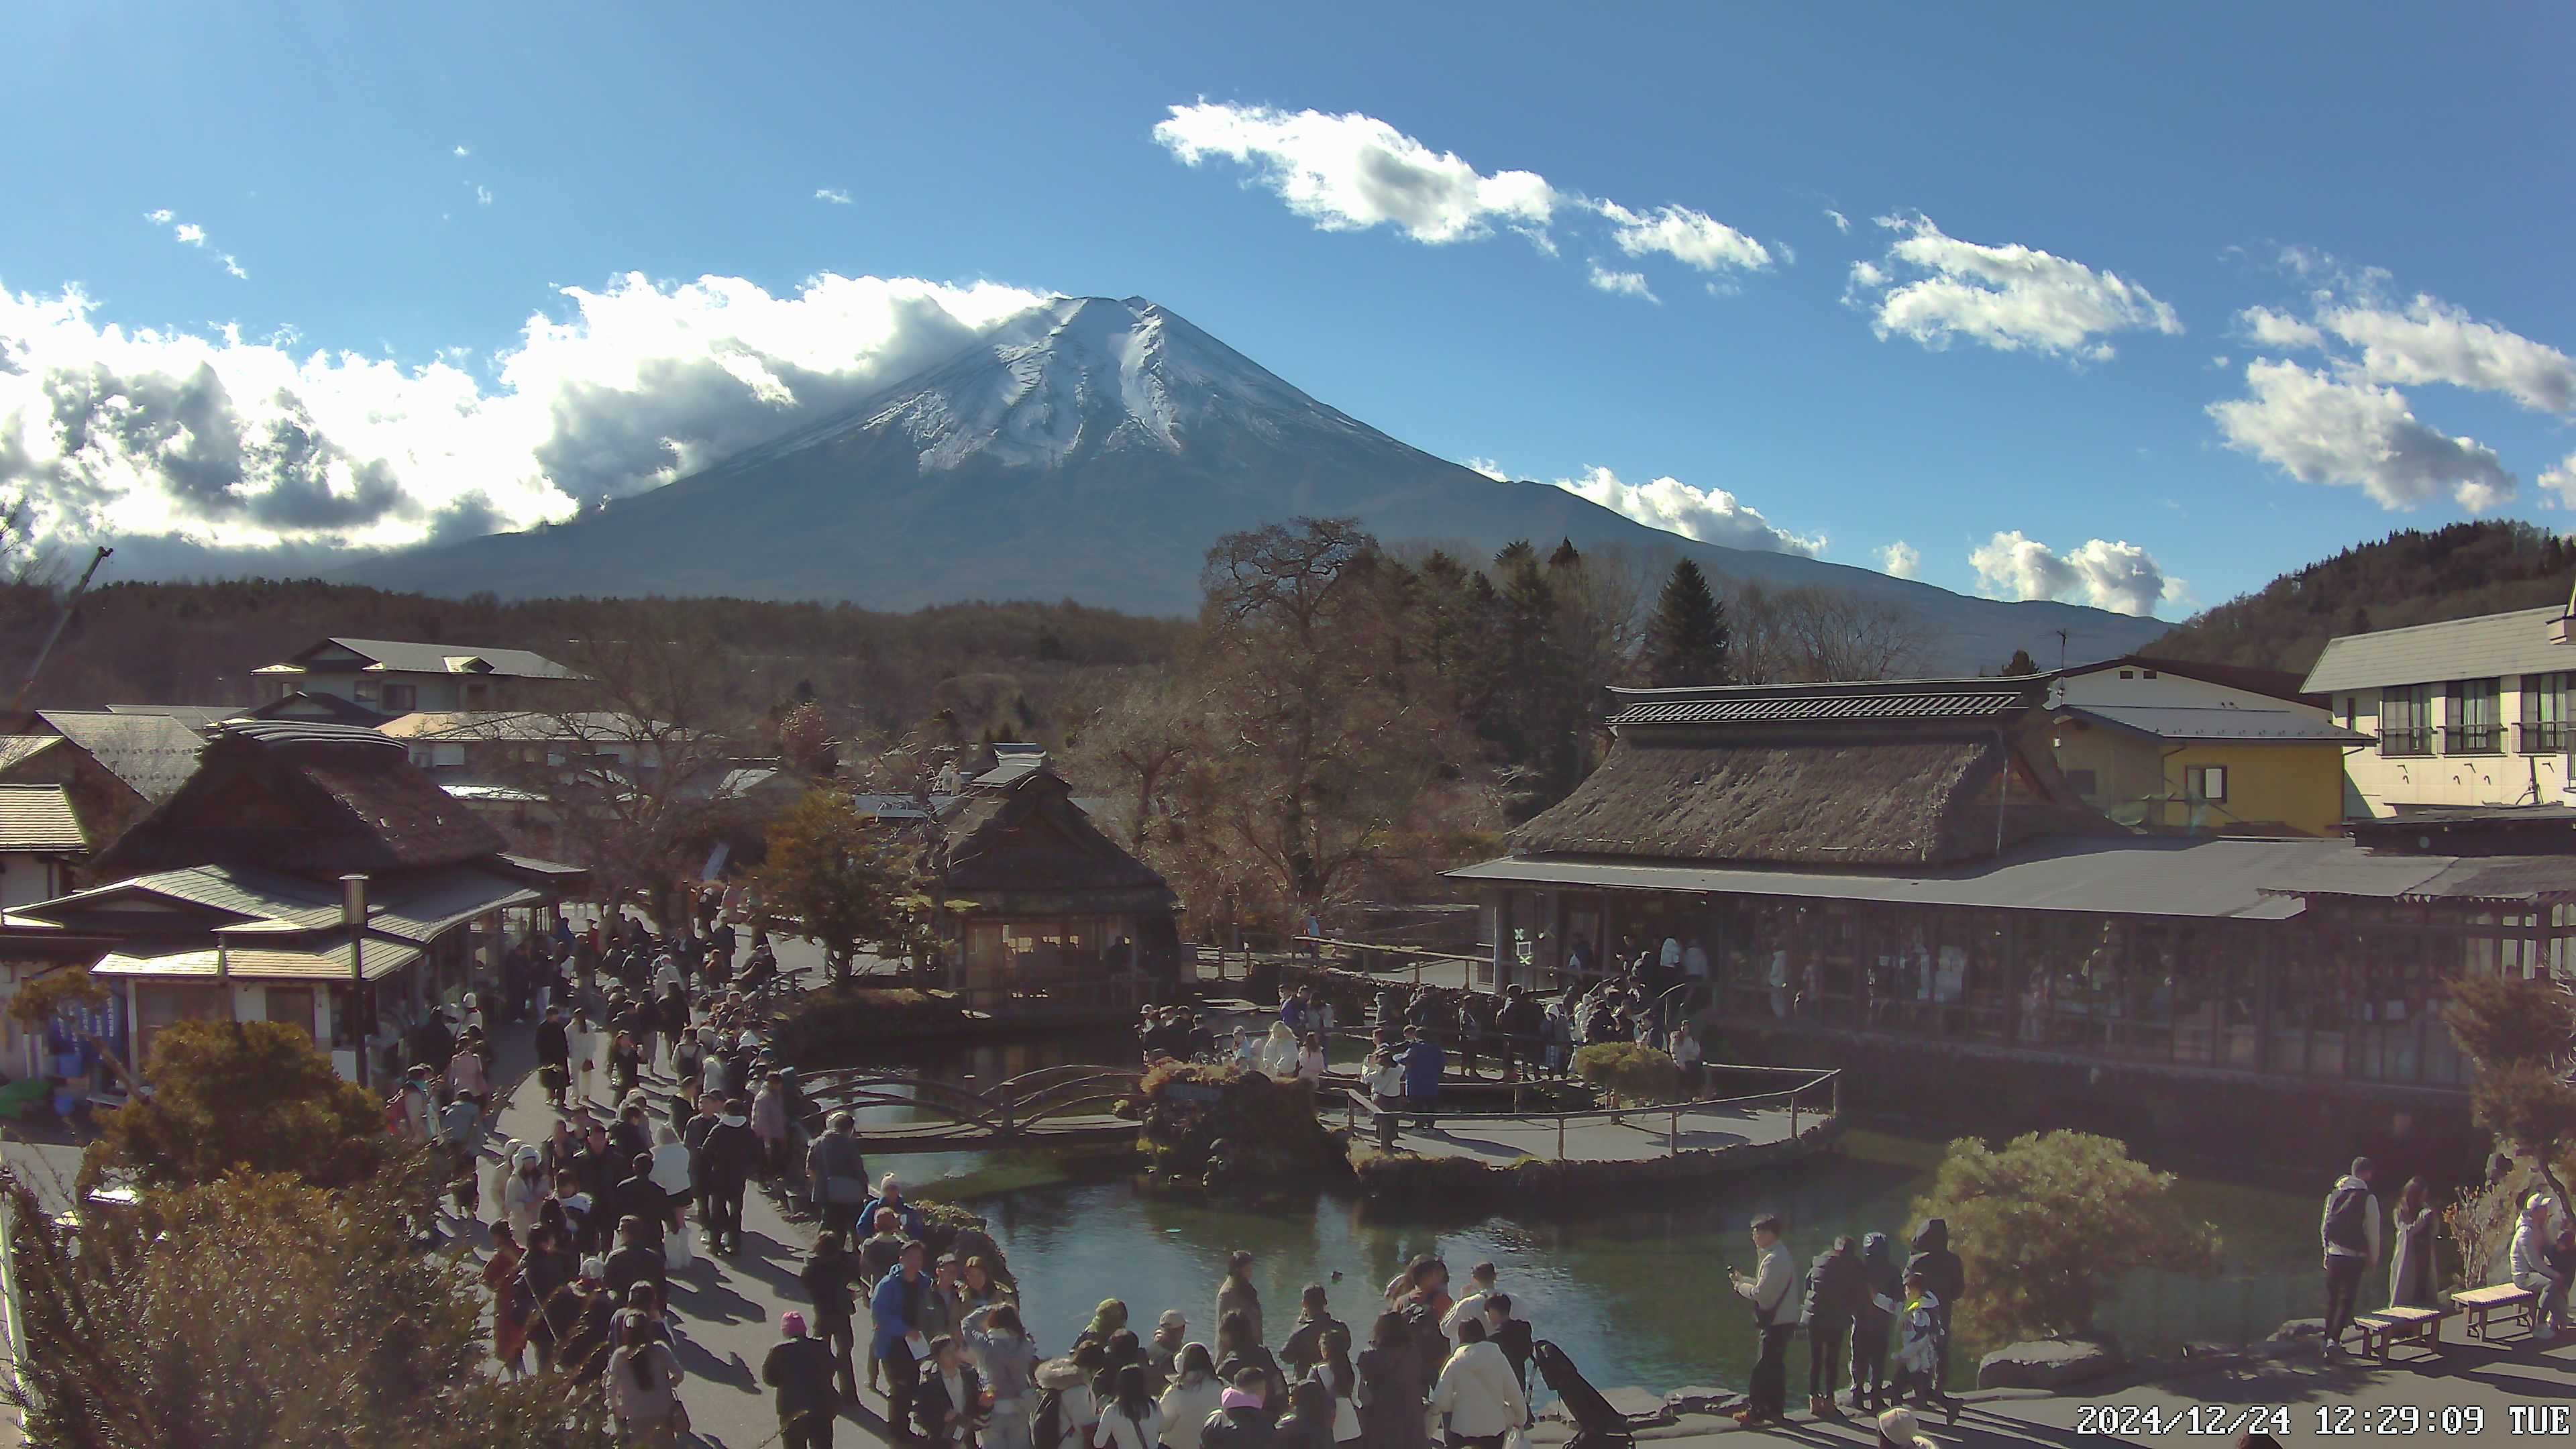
(2021, 663)
(1686, 641)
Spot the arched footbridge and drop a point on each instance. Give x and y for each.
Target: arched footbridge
(1050, 1107)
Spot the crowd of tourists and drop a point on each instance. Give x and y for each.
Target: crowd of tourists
(1889, 1320)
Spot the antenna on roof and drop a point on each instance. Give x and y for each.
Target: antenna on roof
(2061, 648)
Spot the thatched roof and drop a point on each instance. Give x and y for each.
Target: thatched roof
(309, 799)
(1917, 772)
(1025, 841)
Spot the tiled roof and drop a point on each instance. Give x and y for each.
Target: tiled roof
(153, 754)
(195, 716)
(1840, 700)
(16, 750)
(2197, 722)
(405, 657)
(37, 818)
(379, 960)
(2485, 647)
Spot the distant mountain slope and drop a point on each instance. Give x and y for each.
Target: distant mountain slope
(1092, 450)
(2409, 577)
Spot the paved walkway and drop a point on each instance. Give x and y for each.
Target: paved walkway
(725, 1310)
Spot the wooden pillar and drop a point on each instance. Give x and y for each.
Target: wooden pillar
(2268, 942)
(2012, 979)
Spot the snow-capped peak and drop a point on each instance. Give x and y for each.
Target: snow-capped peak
(1081, 375)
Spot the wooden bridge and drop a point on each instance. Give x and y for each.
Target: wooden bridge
(1051, 1107)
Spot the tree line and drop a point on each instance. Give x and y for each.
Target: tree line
(1349, 719)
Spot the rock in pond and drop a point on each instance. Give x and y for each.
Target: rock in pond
(2050, 1363)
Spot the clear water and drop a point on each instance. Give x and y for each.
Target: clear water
(1634, 1289)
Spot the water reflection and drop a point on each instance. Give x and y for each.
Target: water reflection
(1634, 1288)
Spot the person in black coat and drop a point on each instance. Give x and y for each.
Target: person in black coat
(1392, 1387)
(637, 1195)
(1246, 1421)
(1836, 1290)
(800, 1369)
(1946, 1276)
(554, 1056)
(638, 1259)
(730, 1153)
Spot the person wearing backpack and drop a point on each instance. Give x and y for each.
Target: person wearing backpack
(1836, 1289)
(2349, 1233)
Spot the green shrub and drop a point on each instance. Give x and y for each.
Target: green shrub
(1637, 1073)
(2049, 1223)
(1203, 1122)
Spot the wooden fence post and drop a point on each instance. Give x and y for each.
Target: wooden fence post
(1793, 1116)
(1560, 1137)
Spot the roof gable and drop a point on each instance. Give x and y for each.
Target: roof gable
(152, 754)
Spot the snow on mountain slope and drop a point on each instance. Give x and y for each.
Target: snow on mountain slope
(1077, 377)
(1094, 449)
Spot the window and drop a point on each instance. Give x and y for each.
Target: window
(2544, 728)
(2406, 720)
(2149, 673)
(2128, 674)
(2472, 729)
(401, 698)
(2205, 782)
(478, 696)
(2082, 782)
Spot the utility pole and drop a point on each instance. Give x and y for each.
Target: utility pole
(2061, 648)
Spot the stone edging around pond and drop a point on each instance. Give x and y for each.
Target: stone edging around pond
(1406, 1176)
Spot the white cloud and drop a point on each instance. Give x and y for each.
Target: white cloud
(832, 194)
(189, 234)
(2431, 341)
(1693, 238)
(2120, 576)
(2268, 328)
(218, 441)
(1622, 284)
(462, 152)
(2346, 431)
(482, 196)
(1352, 172)
(1710, 516)
(2011, 298)
(2561, 480)
(1486, 466)
(1900, 560)
(1841, 222)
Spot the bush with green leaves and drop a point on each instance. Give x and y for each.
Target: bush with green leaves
(1637, 1073)
(229, 1095)
(1201, 1121)
(2049, 1223)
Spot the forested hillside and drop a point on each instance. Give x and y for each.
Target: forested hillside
(1014, 669)
(2413, 576)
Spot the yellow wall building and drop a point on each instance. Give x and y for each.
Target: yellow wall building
(2203, 751)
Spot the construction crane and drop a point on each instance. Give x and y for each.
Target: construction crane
(71, 601)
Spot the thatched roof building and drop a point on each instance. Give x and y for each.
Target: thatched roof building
(1904, 772)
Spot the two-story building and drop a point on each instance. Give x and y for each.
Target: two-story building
(2472, 712)
(2212, 749)
(394, 677)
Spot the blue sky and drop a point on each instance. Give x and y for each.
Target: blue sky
(2356, 207)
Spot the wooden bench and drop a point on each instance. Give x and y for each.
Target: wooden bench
(2383, 1330)
(2516, 1305)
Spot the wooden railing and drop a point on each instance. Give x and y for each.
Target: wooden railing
(1799, 1098)
(1015, 1107)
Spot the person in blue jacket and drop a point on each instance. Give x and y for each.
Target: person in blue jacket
(1423, 1060)
(890, 1198)
(896, 1312)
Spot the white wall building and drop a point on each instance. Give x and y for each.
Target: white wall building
(2471, 712)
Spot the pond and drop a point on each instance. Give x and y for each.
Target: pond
(1635, 1290)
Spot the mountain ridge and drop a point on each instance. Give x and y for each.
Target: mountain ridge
(1092, 449)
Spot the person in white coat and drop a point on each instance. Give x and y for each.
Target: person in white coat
(588, 1045)
(1279, 1053)
(1478, 1394)
(2530, 1265)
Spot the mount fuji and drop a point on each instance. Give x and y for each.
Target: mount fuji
(1093, 450)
